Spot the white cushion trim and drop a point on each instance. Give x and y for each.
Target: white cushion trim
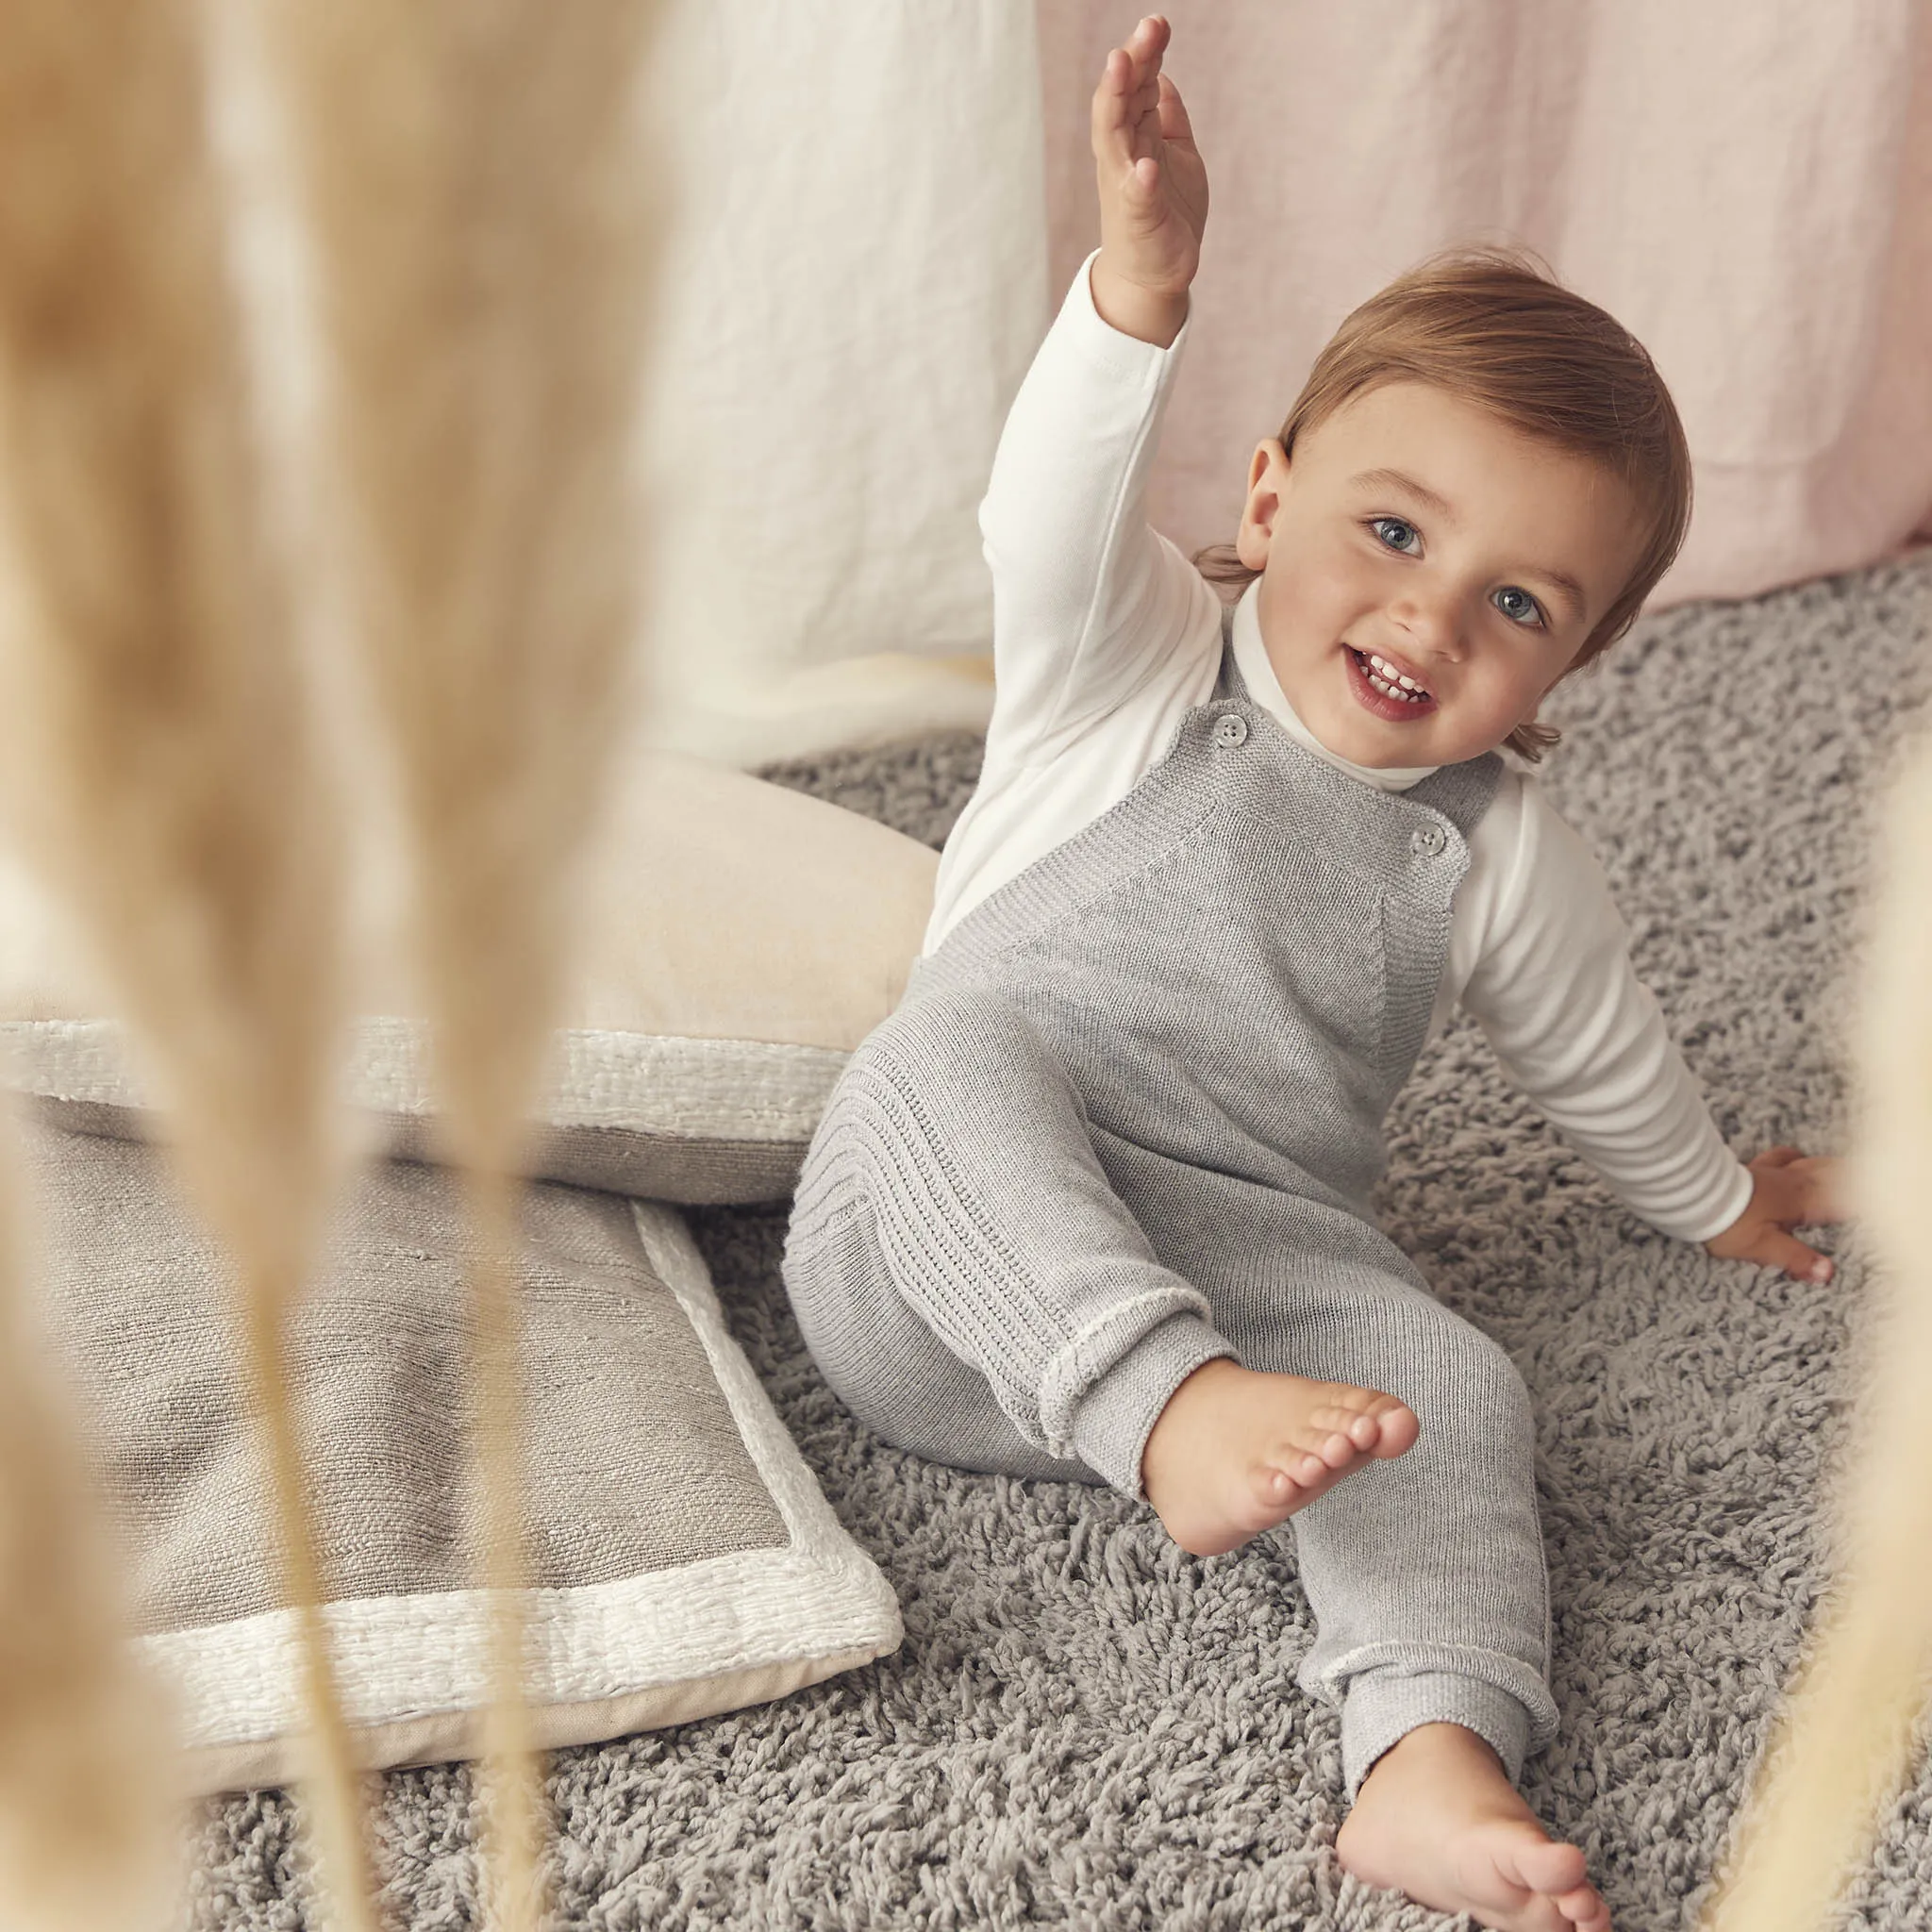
(398, 1657)
(742, 1090)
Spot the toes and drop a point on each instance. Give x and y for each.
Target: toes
(1336, 1452)
(1315, 1455)
(1281, 1487)
(1372, 1423)
(1548, 1867)
(1398, 1429)
(1281, 1491)
(1551, 1868)
(1584, 1909)
(1338, 1418)
(1328, 1443)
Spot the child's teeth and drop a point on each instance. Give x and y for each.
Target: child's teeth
(1407, 689)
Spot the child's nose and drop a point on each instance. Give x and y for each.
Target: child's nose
(1432, 625)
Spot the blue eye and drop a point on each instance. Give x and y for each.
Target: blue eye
(1524, 606)
(1404, 532)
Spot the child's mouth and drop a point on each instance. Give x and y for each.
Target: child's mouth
(1381, 695)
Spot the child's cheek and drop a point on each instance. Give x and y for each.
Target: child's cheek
(1319, 584)
(1335, 586)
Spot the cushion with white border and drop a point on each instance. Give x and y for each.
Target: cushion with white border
(684, 1560)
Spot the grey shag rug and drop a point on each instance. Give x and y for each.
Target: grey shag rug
(1087, 1726)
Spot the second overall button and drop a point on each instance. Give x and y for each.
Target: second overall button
(1230, 729)
(1425, 841)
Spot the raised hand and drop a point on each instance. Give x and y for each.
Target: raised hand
(1153, 191)
(1791, 1189)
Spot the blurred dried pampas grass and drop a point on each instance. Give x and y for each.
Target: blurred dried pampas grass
(157, 754)
(1846, 1736)
(486, 232)
(482, 241)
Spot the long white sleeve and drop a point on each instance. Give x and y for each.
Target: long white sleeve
(1087, 600)
(1554, 991)
(1104, 634)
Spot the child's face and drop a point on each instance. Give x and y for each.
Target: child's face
(1468, 557)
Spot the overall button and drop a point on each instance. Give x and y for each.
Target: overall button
(1426, 840)
(1230, 729)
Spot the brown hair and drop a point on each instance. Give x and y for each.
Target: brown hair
(1493, 327)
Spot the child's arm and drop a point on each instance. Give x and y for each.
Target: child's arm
(1088, 603)
(1557, 996)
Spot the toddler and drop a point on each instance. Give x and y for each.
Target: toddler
(1095, 1203)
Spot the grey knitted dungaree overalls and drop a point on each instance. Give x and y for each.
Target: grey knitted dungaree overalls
(1127, 1119)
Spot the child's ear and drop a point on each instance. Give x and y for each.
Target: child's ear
(1267, 486)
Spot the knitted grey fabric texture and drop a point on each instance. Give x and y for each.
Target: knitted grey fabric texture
(1128, 1117)
(1087, 1726)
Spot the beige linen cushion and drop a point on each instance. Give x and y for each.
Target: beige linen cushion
(685, 1560)
(739, 940)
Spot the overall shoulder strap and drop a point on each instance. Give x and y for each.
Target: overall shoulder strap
(1462, 792)
(1229, 683)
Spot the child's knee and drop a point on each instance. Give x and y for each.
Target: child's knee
(1468, 1381)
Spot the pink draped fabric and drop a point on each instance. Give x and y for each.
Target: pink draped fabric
(1745, 184)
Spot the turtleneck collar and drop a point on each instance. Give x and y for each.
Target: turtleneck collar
(1250, 655)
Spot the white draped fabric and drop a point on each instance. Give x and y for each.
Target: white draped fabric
(855, 288)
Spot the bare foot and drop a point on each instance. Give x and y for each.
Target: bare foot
(1438, 1819)
(1236, 1451)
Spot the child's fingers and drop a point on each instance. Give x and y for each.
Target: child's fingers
(1117, 110)
(1132, 73)
(1133, 70)
(1778, 1249)
(1146, 44)
(1175, 125)
(1110, 125)
(1125, 144)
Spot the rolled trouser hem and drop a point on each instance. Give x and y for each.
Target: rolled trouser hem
(1382, 1707)
(1116, 1415)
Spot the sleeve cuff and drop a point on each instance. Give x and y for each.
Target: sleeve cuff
(1738, 1197)
(1107, 347)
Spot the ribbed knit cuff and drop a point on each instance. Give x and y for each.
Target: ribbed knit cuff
(1114, 1418)
(1383, 1706)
